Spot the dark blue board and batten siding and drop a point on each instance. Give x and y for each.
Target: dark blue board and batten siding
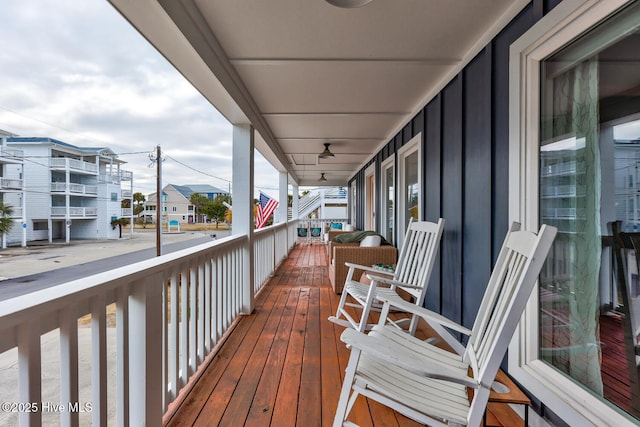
(465, 152)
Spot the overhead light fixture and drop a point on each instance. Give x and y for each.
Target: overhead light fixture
(322, 178)
(326, 153)
(348, 4)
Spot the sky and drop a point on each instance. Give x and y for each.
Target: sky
(76, 71)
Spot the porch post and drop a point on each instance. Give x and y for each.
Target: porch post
(242, 202)
(296, 202)
(283, 188)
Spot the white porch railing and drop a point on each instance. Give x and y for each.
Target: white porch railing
(170, 312)
(11, 153)
(63, 187)
(73, 164)
(76, 212)
(271, 245)
(10, 184)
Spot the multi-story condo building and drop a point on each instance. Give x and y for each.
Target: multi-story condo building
(69, 192)
(11, 182)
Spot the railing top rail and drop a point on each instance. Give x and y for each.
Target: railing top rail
(270, 228)
(44, 302)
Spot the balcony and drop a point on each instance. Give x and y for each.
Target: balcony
(73, 165)
(10, 155)
(8, 184)
(75, 189)
(74, 212)
(281, 365)
(110, 179)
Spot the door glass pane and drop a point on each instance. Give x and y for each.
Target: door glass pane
(388, 206)
(589, 179)
(412, 187)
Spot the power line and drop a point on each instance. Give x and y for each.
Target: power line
(196, 170)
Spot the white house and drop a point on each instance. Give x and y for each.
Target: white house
(69, 192)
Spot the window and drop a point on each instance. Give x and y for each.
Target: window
(114, 197)
(409, 195)
(575, 147)
(387, 199)
(174, 209)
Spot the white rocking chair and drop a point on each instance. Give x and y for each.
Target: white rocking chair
(412, 272)
(428, 384)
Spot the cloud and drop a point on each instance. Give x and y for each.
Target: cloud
(78, 72)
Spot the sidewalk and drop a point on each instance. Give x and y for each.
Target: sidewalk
(40, 257)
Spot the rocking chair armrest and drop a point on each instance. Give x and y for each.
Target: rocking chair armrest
(386, 351)
(393, 282)
(428, 315)
(367, 268)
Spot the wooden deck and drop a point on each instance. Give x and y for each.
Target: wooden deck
(283, 365)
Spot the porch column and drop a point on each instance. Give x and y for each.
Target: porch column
(67, 203)
(296, 202)
(24, 216)
(242, 202)
(283, 188)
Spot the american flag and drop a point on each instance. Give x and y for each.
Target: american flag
(266, 206)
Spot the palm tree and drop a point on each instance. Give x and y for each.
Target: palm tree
(5, 218)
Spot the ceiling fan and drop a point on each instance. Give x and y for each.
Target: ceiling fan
(326, 153)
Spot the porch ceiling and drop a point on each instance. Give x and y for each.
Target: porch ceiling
(305, 73)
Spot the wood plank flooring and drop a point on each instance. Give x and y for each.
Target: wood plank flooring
(283, 365)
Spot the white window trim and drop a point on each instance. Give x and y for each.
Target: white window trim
(566, 21)
(352, 201)
(368, 173)
(414, 145)
(388, 163)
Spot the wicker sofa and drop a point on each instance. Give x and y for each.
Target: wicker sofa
(331, 233)
(353, 252)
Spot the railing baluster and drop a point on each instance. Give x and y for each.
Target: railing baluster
(207, 305)
(30, 376)
(99, 361)
(69, 365)
(193, 318)
(122, 356)
(201, 310)
(145, 313)
(174, 337)
(184, 327)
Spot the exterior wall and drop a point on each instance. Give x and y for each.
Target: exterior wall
(37, 189)
(465, 158)
(107, 210)
(175, 200)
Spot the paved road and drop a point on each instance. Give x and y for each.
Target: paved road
(16, 286)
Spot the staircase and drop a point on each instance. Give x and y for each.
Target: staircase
(314, 200)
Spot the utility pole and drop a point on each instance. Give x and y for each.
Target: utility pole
(158, 160)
